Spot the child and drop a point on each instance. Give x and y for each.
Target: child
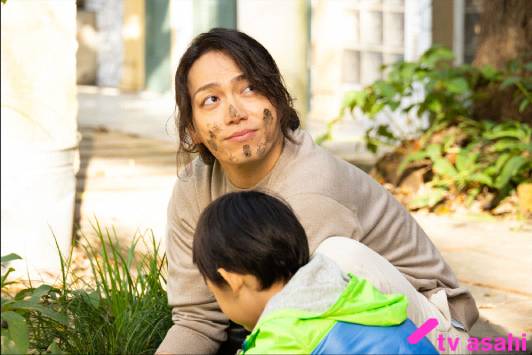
(254, 255)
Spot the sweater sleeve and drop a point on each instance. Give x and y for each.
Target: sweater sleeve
(323, 217)
(390, 230)
(199, 325)
(381, 223)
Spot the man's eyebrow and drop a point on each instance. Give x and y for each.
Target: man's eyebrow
(239, 77)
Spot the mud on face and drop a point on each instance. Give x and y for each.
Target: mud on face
(246, 150)
(267, 116)
(233, 113)
(261, 149)
(211, 142)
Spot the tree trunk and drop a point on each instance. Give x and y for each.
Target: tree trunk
(505, 35)
(505, 32)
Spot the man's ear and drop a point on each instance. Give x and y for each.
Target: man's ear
(235, 281)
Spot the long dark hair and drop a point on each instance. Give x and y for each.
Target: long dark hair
(257, 65)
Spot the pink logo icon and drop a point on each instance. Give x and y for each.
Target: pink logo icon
(423, 330)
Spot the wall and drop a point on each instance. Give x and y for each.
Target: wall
(282, 27)
(350, 40)
(442, 22)
(133, 37)
(110, 46)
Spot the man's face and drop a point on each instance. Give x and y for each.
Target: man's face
(237, 124)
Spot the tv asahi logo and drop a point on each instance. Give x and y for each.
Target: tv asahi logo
(485, 344)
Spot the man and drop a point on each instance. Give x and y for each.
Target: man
(236, 113)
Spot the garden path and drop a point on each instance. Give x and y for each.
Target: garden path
(124, 181)
(492, 258)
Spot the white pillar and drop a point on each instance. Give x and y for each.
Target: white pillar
(39, 129)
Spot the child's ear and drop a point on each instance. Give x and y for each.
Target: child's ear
(235, 281)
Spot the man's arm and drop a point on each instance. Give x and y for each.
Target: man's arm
(390, 230)
(381, 223)
(179, 338)
(199, 325)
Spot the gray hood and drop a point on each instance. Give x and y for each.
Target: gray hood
(314, 288)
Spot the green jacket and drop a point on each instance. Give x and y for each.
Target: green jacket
(357, 319)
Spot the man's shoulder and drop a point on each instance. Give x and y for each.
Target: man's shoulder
(194, 170)
(312, 155)
(191, 180)
(314, 170)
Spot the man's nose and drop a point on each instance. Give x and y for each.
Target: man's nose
(235, 114)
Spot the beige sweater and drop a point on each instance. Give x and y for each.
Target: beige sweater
(330, 197)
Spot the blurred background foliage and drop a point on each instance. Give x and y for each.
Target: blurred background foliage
(475, 137)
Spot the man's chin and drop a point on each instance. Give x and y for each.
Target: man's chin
(244, 161)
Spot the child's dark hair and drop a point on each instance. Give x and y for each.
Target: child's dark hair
(249, 232)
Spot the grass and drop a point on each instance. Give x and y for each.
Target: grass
(122, 309)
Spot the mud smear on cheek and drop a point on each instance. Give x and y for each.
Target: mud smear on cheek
(267, 117)
(211, 141)
(261, 149)
(247, 150)
(215, 130)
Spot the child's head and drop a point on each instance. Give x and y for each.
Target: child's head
(247, 245)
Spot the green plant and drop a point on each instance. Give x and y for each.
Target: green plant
(124, 311)
(466, 151)
(121, 309)
(431, 87)
(474, 156)
(16, 311)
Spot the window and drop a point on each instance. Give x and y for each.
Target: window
(375, 36)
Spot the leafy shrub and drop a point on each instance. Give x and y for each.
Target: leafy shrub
(16, 311)
(122, 310)
(466, 151)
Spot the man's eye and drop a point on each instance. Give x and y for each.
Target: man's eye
(248, 89)
(210, 100)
